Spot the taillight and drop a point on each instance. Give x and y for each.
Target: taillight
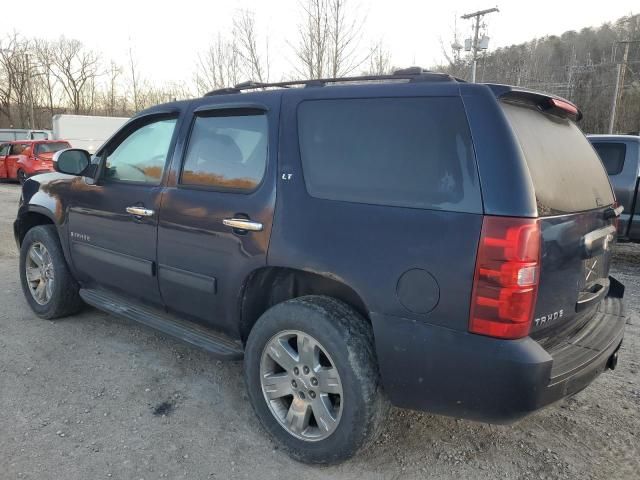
(568, 107)
(505, 284)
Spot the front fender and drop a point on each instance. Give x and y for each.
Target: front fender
(43, 201)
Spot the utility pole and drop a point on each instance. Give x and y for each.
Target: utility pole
(32, 124)
(617, 94)
(474, 47)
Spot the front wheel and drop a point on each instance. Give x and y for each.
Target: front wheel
(313, 380)
(48, 286)
(22, 177)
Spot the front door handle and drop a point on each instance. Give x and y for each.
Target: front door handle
(140, 211)
(243, 224)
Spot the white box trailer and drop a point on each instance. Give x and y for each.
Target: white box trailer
(85, 131)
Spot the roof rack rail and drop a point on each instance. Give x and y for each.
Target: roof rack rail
(412, 74)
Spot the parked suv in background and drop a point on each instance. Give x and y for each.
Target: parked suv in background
(415, 239)
(19, 160)
(620, 155)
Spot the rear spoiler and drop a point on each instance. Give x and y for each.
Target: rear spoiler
(543, 101)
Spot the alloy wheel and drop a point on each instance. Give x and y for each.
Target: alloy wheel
(301, 385)
(39, 273)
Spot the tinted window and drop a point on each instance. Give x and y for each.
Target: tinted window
(612, 156)
(227, 152)
(51, 147)
(412, 152)
(566, 172)
(141, 156)
(18, 148)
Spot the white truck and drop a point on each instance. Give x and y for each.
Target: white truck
(85, 131)
(13, 134)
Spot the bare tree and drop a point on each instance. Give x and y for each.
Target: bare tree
(16, 93)
(44, 54)
(328, 39)
(379, 60)
(114, 72)
(76, 69)
(218, 66)
(135, 81)
(313, 31)
(254, 62)
(344, 38)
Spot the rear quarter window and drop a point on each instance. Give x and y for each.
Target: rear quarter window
(565, 170)
(407, 152)
(612, 156)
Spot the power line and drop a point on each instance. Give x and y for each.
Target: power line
(474, 47)
(622, 70)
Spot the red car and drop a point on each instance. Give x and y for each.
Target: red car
(23, 158)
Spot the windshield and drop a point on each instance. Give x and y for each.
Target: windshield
(50, 147)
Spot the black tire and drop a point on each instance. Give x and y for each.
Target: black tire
(65, 299)
(348, 339)
(22, 177)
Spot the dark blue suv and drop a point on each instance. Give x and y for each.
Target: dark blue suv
(407, 239)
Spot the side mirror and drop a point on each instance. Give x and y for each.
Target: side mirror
(72, 161)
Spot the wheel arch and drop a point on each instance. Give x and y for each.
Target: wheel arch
(268, 286)
(31, 217)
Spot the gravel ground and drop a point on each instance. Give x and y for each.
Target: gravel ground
(94, 396)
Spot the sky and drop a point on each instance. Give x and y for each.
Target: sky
(166, 36)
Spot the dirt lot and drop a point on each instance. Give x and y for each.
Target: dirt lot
(95, 396)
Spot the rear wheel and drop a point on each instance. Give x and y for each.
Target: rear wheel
(47, 284)
(313, 379)
(22, 177)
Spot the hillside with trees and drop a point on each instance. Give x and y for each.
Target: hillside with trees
(41, 78)
(580, 66)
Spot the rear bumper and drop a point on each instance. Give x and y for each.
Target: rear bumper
(434, 369)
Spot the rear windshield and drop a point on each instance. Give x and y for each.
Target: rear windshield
(566, 172)
(50, 147)
(612, 156)
(409, 152)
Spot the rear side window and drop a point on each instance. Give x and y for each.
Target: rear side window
(566, 172)
(50, 147)
(409, 152)
(227, 151)
(612, 156)
(18, 148)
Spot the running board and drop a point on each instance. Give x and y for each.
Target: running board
(218, 345)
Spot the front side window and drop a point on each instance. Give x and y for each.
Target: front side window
(18, 148)
(227, 151)
(407, 152)
(142, 155)
(612, 156)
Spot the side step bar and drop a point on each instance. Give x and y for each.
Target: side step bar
(218, 345)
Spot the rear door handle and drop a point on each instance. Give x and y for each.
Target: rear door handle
(243, 224)
(140, 211)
